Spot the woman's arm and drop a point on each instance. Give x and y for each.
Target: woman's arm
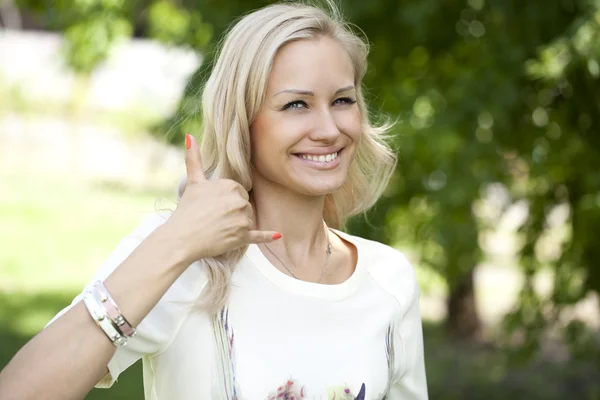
(411, 384)
(71, 355)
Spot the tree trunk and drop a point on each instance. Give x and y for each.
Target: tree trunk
(10, 16)
(463, 319)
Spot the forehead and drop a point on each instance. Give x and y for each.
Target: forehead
(311, 64)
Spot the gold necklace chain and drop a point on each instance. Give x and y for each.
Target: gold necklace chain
(327, 254)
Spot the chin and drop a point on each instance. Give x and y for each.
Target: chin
(319, 190)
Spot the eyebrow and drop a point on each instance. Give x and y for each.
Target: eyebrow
(309, 93)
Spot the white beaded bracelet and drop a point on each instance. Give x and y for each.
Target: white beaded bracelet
(100, 316)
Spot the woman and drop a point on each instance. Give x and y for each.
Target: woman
(248, 290)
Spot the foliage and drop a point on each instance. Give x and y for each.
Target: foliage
(493, 92)
(93, 27)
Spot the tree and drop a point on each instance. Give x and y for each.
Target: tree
(500, 92)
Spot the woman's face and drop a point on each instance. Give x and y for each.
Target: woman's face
(306, 132)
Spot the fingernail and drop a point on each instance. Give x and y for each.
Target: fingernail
(188, 141)
(276, 235)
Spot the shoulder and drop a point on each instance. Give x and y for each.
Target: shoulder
(128, 243)
(149, 223)
(389, 268)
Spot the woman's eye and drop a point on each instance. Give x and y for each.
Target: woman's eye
(295, 105)
(344, 100)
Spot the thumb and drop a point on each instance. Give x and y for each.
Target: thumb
(263, 236)
(193, 163)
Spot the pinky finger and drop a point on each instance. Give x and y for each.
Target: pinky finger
(263, 236)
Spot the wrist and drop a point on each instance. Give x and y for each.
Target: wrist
(167, 237)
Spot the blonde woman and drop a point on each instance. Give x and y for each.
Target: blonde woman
(248, 290)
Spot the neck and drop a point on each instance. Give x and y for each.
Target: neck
(298, 218)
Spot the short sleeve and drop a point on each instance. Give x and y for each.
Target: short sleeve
(157, 330)
(411, 382)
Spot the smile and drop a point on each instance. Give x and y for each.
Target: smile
(320, 161)
(323, 158)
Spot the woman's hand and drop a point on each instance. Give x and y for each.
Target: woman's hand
(213, 216)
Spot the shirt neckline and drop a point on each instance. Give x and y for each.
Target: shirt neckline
(334, 292)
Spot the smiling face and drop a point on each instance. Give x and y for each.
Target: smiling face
(306, 132)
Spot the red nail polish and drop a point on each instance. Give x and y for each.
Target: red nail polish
(276, 236)
(188, 141)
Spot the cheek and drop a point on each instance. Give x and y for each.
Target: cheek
(267, 140)
(260, 135)
(274, 134)
(351, 124)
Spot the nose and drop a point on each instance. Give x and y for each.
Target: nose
(325, 128)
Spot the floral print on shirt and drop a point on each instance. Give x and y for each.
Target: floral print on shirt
(292, 391)
(344, 393)
(287, 391)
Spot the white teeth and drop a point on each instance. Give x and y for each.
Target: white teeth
(321, 158)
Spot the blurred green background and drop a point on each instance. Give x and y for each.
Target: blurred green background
(496, 198)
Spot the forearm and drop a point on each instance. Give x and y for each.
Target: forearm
(64, 361)
(145, 276)
(71, 355)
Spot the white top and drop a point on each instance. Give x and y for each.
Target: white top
(361, 339)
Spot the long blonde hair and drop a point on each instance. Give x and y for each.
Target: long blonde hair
(233, 95)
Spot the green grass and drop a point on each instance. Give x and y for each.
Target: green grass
(55, 234)
(60, 232)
